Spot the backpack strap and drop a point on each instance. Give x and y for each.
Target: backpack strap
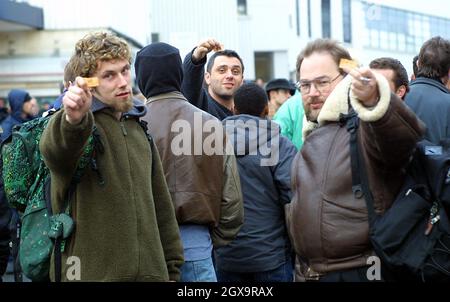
(360, 180)
(62, 227)
(144, 126)
(63, 224)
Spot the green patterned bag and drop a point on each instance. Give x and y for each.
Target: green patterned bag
(26, 184)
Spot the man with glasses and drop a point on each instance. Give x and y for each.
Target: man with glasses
(327, 222)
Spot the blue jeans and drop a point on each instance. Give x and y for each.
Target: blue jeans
(283, 273)
(198, 271)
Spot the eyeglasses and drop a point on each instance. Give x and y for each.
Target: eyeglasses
(322, 84)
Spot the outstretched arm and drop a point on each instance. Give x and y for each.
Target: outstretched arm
(194, 73)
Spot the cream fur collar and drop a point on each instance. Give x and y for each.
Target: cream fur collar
(337, 103)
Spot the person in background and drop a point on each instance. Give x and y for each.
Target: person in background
(262, 251)
(22, 110)
(5, 232)
(3, 110)
(290, 117)
(394, 72)
(260, 82)
(415, 68)
(278, 91)
(429, 97)
(224, 75)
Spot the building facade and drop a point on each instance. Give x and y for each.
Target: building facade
(268, 34)
(33, 56)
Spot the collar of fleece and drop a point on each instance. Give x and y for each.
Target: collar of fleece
(337, 103)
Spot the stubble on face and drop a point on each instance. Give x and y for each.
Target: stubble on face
(315, 66)
(115, 85)
(225, 77)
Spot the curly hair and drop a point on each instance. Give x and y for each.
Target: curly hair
(94, 48)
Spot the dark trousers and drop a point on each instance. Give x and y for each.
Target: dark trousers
(352, 275)
(283, 273)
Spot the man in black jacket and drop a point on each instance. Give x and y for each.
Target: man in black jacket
(429, 97)
(224, 75)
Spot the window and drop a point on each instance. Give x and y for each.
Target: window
(309, 18)
(395, 29)
(155, 37)
(242, 7)
(326, 19)
(347, 17)
(297, 14)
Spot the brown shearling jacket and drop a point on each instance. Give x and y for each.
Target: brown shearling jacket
(328, 225)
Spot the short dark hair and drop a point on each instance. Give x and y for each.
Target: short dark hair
(415, 67)
(329, 46)
(250, 99)
(227, 53)
(434, 58)
(400, 73)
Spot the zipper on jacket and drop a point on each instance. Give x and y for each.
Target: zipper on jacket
(124, 130)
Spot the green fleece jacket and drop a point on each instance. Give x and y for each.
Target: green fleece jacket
(125, 230)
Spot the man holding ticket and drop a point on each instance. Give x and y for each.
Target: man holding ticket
(328, 223)
(126, 228)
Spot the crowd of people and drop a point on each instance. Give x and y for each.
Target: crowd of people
(208, 177)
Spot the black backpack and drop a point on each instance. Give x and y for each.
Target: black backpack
(412, 238)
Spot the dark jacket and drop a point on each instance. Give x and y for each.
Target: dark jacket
(329, 226)
(430, 101)
(3, 114)
(5, 216)
(262, 243)
(16, 100)
(205, 189)
(126, 229)
(192, 88)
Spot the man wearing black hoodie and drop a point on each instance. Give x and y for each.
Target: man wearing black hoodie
(224, 75)
(204, 184)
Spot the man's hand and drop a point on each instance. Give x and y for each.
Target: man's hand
(204, 48)
(364, 86)
(77, 101)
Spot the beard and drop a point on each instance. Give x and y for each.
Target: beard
(123, 106)
(117, 105)
(310, 116)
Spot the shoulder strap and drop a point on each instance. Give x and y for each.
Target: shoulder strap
(144, 126)
(89, 155)
(360, 181)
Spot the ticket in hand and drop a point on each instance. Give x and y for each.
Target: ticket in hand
(348, 64)
(91, 82)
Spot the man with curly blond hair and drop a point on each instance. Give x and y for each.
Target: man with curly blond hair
(126, 228)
